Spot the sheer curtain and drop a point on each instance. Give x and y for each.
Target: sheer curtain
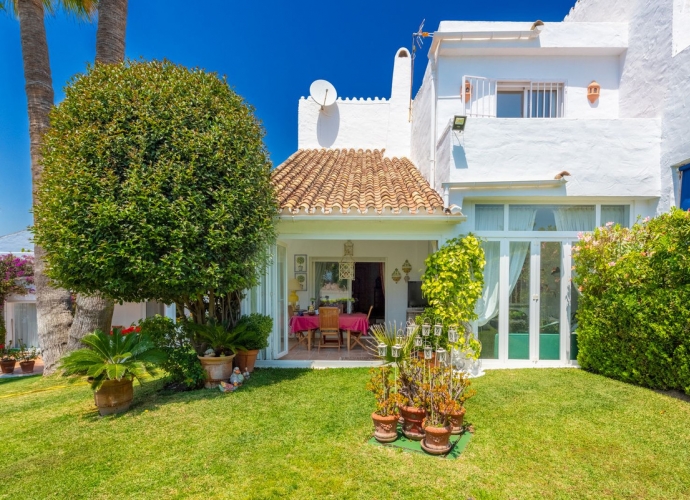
(618, 214)
(489, 218)
(574, 218)
(487, 305)
(319, 271)
(521, 219)
(25, 328)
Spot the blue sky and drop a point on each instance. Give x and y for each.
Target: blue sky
(271, 51)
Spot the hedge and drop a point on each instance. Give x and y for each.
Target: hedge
(634, 312)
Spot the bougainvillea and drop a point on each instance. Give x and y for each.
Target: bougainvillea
(633, 314)
(16, 278)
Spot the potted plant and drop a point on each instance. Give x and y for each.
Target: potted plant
(411, 398)
(27, 358)
(252, 340)
(216, 344)
(459, 390)
(112, 361)
(439, 405)
(385, 416)
(8, 359)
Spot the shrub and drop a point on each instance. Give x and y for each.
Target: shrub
(258, 328)
(174, 340)
(633, 315)
(156, 186)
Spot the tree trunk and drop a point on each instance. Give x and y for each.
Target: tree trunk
(53, 305)
(96, 312)
(110, 37)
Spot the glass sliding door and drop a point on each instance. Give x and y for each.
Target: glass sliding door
(550, 276)
(280, 345)
(488, 304)
(25, 329)
(519, 302)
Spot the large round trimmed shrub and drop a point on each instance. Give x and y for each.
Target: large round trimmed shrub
(155, 186)
(634, 311)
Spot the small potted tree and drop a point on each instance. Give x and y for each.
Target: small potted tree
(459, 391)
(27, 358)
(439, 405)
(216, 344)
(254, 338)
(411, 398)
(385, 416)
(8, 359)
(112, 361)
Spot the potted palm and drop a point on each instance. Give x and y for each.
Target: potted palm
(216, 344)
(385, 416)
(8, 359)
(252, 339)
(27, 358)
(112, 361)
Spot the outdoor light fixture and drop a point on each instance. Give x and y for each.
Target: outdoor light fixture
(396, 351)
(452, 334)
(459, 122)
(428, 352)
(411, 327)
(426, 329)
(441, 355)
(438, 329)
(418, 341)
(382, 349)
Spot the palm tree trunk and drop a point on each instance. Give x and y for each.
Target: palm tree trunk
(110, 37)
(53, 305)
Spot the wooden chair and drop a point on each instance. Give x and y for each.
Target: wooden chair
(302, 337)
(357, 336)
(329, 324)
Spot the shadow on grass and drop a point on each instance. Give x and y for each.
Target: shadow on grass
(153, 395)
(7, 380)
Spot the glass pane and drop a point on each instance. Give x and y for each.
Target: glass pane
(489, 217)
(574, 299)
(618, 214)
(509, 104)
(551, 217)
(328, 282)
(154, 307)
(282, 299)
(25, 329)
(487, 305)
(550, 301)
(519, 300)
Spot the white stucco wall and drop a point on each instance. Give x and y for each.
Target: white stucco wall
(604, 157)
(576, 71)
(420, 145)
(654, 74)
(361, 123)
(393, 253)
(128, 313)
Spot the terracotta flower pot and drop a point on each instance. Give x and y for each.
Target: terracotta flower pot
(385, 428)
(436, 440)
(27, 366)
(245, 360)
(8, 366)
(217, 369)
(456, 421)
(114, 396)
(412, 422)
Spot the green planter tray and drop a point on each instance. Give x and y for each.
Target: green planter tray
(458, 444)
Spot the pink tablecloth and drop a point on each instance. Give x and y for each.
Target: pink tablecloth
(354, 322)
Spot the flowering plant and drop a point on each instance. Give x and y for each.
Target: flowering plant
(7, 354)
(26, 353)
(126, 331)
(16, 278)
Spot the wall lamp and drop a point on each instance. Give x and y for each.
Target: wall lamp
(459, 122)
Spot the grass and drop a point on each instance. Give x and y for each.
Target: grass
(302, 434)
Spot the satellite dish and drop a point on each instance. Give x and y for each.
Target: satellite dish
(323, 93)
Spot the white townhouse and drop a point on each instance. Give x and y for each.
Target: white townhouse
(522, 133)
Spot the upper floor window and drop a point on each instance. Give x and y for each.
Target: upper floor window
(684, 202)
(484, 97)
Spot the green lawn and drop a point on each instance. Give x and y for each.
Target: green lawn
(302, 434)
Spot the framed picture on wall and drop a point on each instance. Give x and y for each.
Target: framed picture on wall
(302, 280)
(300, 263)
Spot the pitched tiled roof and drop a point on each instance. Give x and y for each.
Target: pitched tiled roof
(345, 180)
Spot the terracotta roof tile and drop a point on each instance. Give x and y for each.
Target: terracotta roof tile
(346, 180)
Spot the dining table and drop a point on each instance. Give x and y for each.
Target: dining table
(356, 322)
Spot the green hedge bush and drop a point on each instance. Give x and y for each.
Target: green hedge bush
(634, 312)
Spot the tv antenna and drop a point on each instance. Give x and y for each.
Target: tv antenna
(417, 41)
(323, 93)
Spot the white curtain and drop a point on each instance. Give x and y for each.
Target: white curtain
(489, 218)
(522, 217)
(574, 218)
(25, 328)
(487, 305)
(618, 214)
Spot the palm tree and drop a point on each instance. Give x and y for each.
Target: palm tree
(95, 312)
(53, 305)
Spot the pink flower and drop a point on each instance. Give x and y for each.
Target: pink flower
(579, 288)
(646, 219)
(612, 263)
(609, 224)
